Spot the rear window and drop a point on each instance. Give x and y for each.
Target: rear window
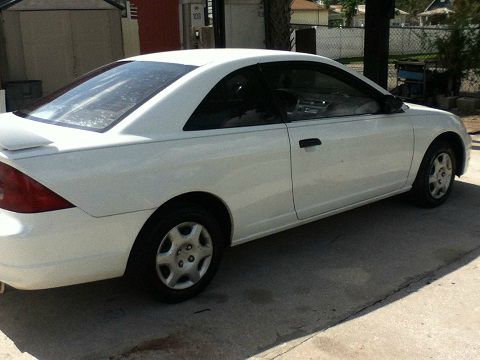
(105, 96)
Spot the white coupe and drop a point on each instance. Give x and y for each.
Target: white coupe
(151, 166)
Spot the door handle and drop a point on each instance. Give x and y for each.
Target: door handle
(309, 142)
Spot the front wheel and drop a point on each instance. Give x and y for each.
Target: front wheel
(435, 176)
(178, 256)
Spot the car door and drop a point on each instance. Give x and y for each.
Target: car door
(344, 150)
(242, 147)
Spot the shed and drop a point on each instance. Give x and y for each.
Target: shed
(56, 41)
(307, 12)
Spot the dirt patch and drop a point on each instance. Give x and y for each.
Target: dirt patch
(472, 123)
(165, 344)
(259, 296)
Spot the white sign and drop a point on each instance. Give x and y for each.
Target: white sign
(198, 15)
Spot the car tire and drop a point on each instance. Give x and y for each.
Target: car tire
(178, 253)
(435, 177)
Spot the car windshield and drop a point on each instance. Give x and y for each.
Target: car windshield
(105, 96)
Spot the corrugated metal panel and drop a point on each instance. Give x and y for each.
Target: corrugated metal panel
(158, 22)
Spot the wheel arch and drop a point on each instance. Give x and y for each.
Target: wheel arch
(458, 146)
(207, 200)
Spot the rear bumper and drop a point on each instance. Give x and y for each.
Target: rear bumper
(65, 247)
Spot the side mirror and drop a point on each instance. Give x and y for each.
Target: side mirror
(392, 104)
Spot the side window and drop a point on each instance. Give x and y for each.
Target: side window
(240, 99)
(313, 92)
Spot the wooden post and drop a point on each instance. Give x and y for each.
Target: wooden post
(218, 9)
(377, 36)
(306, 41)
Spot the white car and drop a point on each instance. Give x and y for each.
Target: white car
(156, 163)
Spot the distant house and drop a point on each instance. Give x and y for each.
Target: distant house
(399, 19)
(359, 19)
(437, 13)
(309, 13)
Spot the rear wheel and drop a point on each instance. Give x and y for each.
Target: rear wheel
(178, 255)
(435, 177)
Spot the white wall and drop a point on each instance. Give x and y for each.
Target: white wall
(244, 24)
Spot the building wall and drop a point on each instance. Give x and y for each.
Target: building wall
(14, 60)
(62, 5)
(245, 24)
(310, 17)
(56, 46)
(131, 39)
(158, 23)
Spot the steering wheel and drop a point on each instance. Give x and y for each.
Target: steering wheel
(288, 100)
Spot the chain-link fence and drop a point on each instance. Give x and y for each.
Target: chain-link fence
(408, 45)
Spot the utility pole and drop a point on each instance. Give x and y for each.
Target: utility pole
(377, 37)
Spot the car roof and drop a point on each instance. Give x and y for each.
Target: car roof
(180, 99)
(201, 57)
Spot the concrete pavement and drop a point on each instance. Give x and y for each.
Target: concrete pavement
(429, 319)
(355, 284)
(436, 317)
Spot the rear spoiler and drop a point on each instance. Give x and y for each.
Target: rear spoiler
(14, 136)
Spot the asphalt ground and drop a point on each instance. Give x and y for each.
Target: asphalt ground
(274, 295)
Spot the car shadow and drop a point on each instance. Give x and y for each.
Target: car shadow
(475, 144)
(267, 292)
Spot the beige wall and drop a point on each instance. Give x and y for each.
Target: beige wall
(310, 17)
(96, 39)
(58, 46)
(131, 39)
(61, 5)
(14, 58)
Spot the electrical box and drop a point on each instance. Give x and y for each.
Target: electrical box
(196, 35)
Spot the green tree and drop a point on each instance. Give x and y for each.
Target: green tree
(349, 10)
(459, 52)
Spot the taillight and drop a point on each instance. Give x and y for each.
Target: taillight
(22, 194)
